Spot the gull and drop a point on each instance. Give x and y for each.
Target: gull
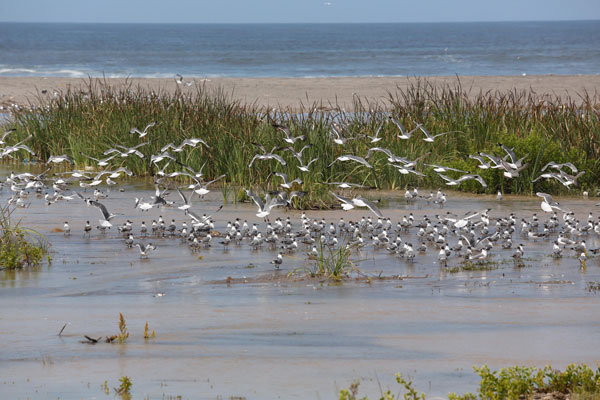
(144, 132)
(547, 204)
(156, 158)
(101, 163)
(346, 202)
(5, 134)
(338, 137)
(180, 81)
(201, 188)
(554, 165)
(266, 156)
(303, 167)
(59, 159)
(193, 142)
(482, 163)
(288, 197)
(264, 209)
(128, 150)
(117, 173)
(514, 163)
(564, 178)
(454, 182)
(359, 201)
(376, 138)
(346, 185)
(511, 172)
(441, 168)
(186, 203)
(145, 249)
(107, 216)
(391, 157)
(142, 205)
(404, 170)
(288, 135)
(403, 133)
(350, 157)
(286, 182)
(428, 136)
(19, 146)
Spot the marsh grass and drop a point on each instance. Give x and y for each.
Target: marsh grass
(19, 246)
(546, 128)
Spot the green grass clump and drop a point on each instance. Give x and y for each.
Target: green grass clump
(580, 382)
(19, 246)
(545, 128)
(331, 264)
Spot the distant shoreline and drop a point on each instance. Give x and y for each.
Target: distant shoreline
(294, 93)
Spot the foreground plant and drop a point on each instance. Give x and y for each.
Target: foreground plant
(512, 383)
(19, 246)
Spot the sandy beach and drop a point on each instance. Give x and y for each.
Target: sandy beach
(293, 93)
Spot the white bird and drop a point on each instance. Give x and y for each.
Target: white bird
(288, 135)
(267, 155)
(429, 137)
(144, 132)
(350, 157)
(286, 182)
(454, 182)
(193, 142)
(264, 209)
(145, 249)
(403, 133)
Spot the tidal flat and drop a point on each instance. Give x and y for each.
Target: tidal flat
(271, 335)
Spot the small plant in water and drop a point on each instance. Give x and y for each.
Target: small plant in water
(123, 334)
(124, 389)
(148, 335)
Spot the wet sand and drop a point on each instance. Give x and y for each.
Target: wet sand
(292, 93)
(279, 338)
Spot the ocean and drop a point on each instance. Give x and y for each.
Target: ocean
(299, 50)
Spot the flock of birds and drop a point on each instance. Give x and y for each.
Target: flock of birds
(469, 237)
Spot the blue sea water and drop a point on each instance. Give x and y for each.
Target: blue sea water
(299, 50)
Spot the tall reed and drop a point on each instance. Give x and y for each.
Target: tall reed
(545, 128)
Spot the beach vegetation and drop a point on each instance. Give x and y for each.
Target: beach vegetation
(542, 128)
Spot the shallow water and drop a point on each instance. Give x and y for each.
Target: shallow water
(276, 338)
